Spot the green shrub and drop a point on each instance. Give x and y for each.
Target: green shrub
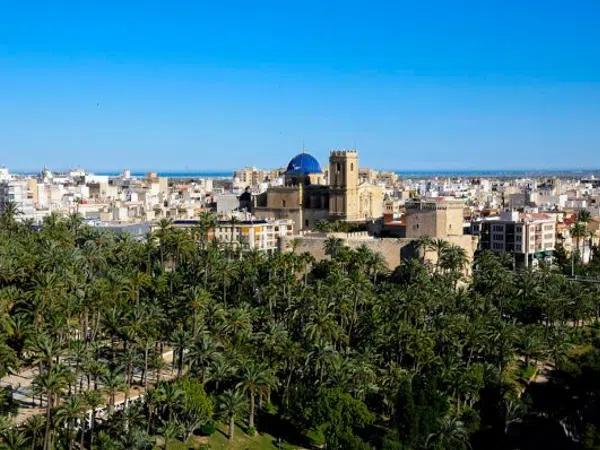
(208, 428)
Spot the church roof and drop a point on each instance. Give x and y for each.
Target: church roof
(303, 164)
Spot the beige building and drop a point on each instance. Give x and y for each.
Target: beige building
(262, 235)
(251, 176)
(438, 217)
(306, 198)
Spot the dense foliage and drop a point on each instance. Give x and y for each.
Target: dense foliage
(340, 352)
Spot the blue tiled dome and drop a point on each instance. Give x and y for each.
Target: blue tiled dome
(303, 164)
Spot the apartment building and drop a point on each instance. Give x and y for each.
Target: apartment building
(263, 235)
(252, 177)
(16, 191)
(260, 234)
(530, 237)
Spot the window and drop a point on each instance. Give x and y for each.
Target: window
(283, 203)
(306, 222)
(339, 167)
(351, 167)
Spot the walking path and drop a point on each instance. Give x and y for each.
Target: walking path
(21, 385)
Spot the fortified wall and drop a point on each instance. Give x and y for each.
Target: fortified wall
(393, 250)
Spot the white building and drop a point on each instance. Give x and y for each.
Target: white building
(531, 237)
(263, 235)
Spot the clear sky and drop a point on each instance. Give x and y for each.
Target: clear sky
(191, 85)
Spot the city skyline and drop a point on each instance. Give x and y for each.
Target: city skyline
(300, 225)
(189, 87)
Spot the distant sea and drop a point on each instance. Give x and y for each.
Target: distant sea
(579, 173)
(498, 173)
(402, 173)
(182, 174)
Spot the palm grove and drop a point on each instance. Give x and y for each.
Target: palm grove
(341, 352)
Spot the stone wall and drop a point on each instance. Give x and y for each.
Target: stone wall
(393, 250)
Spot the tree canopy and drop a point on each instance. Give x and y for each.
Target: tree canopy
(162, 338)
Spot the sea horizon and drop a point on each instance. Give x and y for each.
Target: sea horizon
(220, 174)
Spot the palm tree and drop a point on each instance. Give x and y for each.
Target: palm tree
(181, 340)
(46, 351)
(74, 222)
(79, 354)
(452, 258)
(450, 434)
(94, 400)
(221, 369)
(51, 383)
(202, 352)
(153, 399)
(206, 222)
(255, 381)
(439, 246)
(332, 246)
(8, 359)
(94, 370)
(6, 424)
(584, 216)
(163, 234)
(10, 211)
(113, 382)
(170, 430)
(172, 395)
(231, 404)
(13, 439)
(128, 357)
(579, 231)
(69, 412)
(198, 298)
(34, 427)
(228, 273)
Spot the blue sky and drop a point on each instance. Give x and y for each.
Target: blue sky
(216, 85)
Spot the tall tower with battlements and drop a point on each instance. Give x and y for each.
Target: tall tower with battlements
(343, 182)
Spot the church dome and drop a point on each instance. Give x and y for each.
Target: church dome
(303, 164)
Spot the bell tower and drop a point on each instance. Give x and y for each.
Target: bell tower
(343, 185)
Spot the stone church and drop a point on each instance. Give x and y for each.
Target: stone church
(309, 196)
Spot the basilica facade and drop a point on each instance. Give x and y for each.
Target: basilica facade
(309, 195)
